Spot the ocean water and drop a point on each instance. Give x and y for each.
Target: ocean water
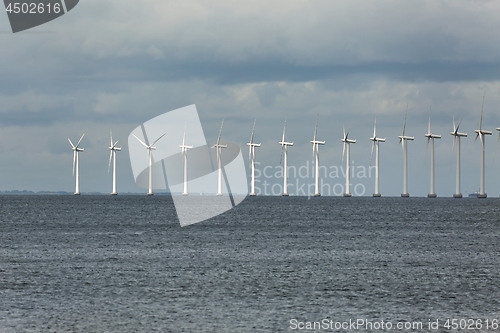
(123, 264)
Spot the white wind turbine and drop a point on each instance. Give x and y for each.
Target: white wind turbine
(219, 147)
(184, 151)
(76, 149)
(456, 137)
(376, 141)
(251, 157)
(430, 138)
(112, 155)
(480, 133)
(150, 160)
(347, 150)
(403, 141)
(315, 151)
(284, 154)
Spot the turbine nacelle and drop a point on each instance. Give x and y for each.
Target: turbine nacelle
(253, 144)
(316, 142)
(375, 139)
(345, 140)
(432, 136)
(405, 137)
(483, 132)
(284, 143)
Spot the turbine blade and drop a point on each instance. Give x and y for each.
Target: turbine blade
(427, 147)
(477, 134)
(404, 125)
(375, 130)
(111, 138)
(80, 140)
(373, 146)
(184, 135)
(343, 151)
(316, 127)
(459, 124)
(71, 143)
(220, 132)
(281, 156)
(429, 126)
(253, 129)
(110, 156)
(454, 127)
(481, 117)
(74, 161)
(453, 145)
(284, 129)
(145, 145)
(158, 139)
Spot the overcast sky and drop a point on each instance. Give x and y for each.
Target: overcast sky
(112, 65)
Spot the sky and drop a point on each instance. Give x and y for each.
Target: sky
(112, 65)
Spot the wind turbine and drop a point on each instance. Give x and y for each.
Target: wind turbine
(251, 158)
(112, 155)
(456, 137)
(219, 147)
(184, 151)
(480, 133)
(76, 149)
(376, 142)
(402, 140)
(284, 151)
(315, 151)
(430, 138)
(347, 149)
(150, 160)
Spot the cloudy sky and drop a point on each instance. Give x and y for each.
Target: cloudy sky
(112, 65)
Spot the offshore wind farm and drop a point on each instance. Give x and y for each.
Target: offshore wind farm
(347, 170)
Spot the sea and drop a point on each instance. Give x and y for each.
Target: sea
(96, 263)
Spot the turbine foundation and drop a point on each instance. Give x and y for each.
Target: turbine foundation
(405, 195)
(284, 195)
(114, 193)
(252, 194)
(347, 195)
(432, 195)
(481, 196)
(317, 195)
(459, 195)
(377, 195)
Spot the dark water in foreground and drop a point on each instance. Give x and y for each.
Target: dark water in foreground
(123, 264)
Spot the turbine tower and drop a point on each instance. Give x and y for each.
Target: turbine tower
(284, 151)
(456, 137)
(76, 172)
(251, 157)
(315, 151)
(150, 160)
(184, 151)
(403, 141)
(112, 155)
(480, 133)
(376, 141)
(219, 147)
(347, 149)
(430, 138)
